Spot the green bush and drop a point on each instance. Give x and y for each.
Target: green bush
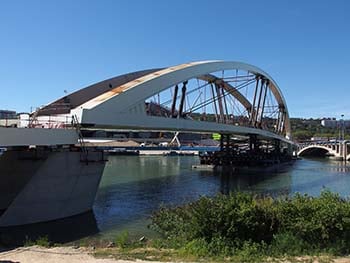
(237, 217)
(196, 247)
(122, 239)
(41, 241)
(242, 223)
(288, 244)
(251, 252)
(320, 221)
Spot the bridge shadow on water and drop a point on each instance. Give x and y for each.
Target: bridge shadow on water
(246, 179)
(57, 231)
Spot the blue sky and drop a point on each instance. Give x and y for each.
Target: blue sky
(47, 47)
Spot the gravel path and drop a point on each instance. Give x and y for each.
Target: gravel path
(37, 254)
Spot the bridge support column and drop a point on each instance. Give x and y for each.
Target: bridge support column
(229, 151)
(277, 147)
(253, 143)
(222, 142)
(226, 154)
(341, 150)
(290, 150)
(345, 152)
(227, 143)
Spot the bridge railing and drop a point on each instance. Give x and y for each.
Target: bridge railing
(308, 143)
(51, 122)
(43, 122)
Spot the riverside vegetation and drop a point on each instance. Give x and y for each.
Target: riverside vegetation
(244, 227)
(247, 227)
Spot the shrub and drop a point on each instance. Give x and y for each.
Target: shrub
(236, 217)
(41, 241)
(288, 244)
(196, 247)
(251, 252)
(122, 239)
(319, 221)
(242, 222)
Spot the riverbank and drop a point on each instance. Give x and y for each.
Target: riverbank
(239, 227)
(39, 254)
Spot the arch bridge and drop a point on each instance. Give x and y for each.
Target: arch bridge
(340, 150)
(45, 176)
(230, 98)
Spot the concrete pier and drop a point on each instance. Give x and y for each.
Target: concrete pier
(45, 184)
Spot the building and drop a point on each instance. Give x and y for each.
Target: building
(7, 114)
(335, 123)
(8, 118)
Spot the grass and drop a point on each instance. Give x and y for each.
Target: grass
(41, 241)
(248, 254)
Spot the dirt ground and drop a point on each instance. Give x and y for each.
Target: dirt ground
(37, 254)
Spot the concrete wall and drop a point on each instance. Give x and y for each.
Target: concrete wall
(26, 137)
(16, 170)
(57, 187)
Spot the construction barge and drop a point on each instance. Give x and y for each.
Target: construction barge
(252, 153)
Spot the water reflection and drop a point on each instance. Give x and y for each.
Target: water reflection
(133, 187)
(240, 181)
(316, 174)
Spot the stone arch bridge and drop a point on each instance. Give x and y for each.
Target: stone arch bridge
(338, 149)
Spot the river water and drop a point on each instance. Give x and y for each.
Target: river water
(132, 187)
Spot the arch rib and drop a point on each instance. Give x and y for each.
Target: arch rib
(130, 97)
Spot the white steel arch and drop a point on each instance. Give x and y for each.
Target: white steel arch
(128, 99)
